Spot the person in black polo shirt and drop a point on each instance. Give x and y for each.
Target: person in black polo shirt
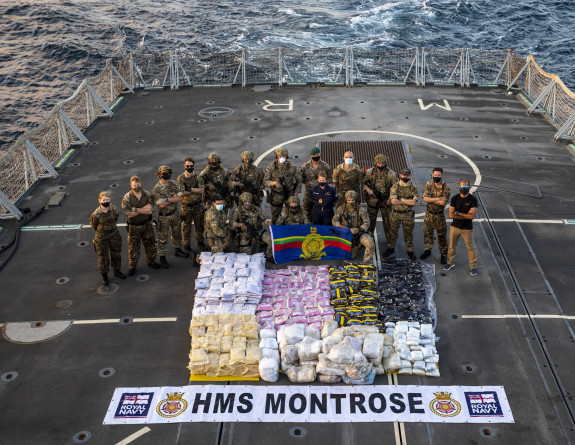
(324, 198)
(462, 209)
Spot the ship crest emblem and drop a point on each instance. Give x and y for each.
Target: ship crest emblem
(313, 246)
(173, 406)
(443, 405)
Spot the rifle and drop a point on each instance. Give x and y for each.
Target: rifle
(285, 188)
(221, 188)
(376, 192)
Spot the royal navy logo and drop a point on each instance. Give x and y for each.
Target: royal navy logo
(173, 406)
(483, 404)
(313, 246)
(443, 405)
(134, 405)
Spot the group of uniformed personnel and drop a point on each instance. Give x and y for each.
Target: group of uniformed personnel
(207, 199)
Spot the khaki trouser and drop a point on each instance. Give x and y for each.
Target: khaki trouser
(467, 235)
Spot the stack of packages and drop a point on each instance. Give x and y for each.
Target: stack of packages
(225, 345)
(414, 349)
(401, 292)
(296, 295)
(354, 295)
(229, 283)
(352, 354)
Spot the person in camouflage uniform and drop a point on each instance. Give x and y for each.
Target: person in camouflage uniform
(107, 240)
(309, 176)
(376, 187)
(246, 177)
(248, 221)
(138, 205)
(216, 179)
(347, 176)
(284, 181)
(403, 197)
(436, 194)
(167, 193)
(192, 206)
(216, 229)
(291, 215)
(354, 217)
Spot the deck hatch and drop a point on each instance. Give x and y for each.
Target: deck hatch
(397, 153)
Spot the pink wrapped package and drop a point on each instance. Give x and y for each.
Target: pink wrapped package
(297, 312)
(264, 314)
(295, 302)
(316, 319)
(316, 325)
(298, 320)
(281, 320)
(281, 312)
(263, 307)
(267, 323)
(309, 302)
(312, 312)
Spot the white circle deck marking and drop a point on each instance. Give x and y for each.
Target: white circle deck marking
(431, 141)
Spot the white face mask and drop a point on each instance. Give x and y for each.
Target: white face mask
(219, 207)
(282, 160)
(348, 161)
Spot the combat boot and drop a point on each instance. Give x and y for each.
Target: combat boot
(181, 253)
(443, 259)
(153, 264)
(388, 252)
(425, 254)
(105, 280)
(164, 262)
(118, 273)
(131, 271)
(411, 256)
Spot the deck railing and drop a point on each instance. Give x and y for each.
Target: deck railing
(39, 152)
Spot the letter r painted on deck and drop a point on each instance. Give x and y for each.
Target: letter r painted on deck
(423, 107)
(281, 107)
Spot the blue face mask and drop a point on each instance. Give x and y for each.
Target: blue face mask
(219, 207)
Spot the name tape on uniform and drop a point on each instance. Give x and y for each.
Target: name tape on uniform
(215, 403)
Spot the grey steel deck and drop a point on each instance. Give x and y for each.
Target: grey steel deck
(504, 327)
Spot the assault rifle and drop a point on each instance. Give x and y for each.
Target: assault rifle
(376, 192)
(285, 188)
(221, 188)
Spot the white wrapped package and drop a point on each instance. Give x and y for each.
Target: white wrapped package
(268, 333)
(328, 327)
(328, 343)
(269, 369)
(328, 379)
(355, 343)
(373, 345)
(401, 327)
(359, 368)
(271, 353)
(406, 363)
(404, 353)
(310, 331)
(406, 371)
(428, 351)
(289, 354)
(387, 339)
(434, 373)
(366, 329)
(426, 331)
(294, 334)
(387, 351)
(324, 369)
(268, 343)
(433, 359)
(429, 367)
(419, 371)
(342, 353)
(301, 374)
(309, 348)
(416, 356)
(392, 363)
(202, 283)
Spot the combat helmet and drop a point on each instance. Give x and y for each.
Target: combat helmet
(162, 169)
(281, 151)
(293, 200)
(213, 156)
(351, 194)
(380, 159)
(246, 197)
(247, 155)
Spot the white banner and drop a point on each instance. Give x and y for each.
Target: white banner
(239, 403)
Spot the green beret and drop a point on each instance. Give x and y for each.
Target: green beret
(314, 151)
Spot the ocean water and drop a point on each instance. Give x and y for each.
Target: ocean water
(47, 47)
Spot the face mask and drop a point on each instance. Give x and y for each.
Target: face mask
(294, 209)
(404, 179)
(436, 179)
(321, 184)
(348, 161)
(137, 189)
(105, 204)
(219, 207)
(166, 175)
(189, 169)
(247, 161)
(315, 158)
(214, 165)
(282, 160)
(464, 190)
(381, 168)
(350, 205)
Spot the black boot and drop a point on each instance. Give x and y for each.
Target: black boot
(443, 259)
(105, 280)
(131, 271)
(181, 253)
(411, 256)
(154, 265)
(118, 273)
(164, 262)
(388, 252)
(425, 254)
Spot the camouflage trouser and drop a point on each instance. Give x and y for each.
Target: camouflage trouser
(219, 244)
(267, 238)
(246, 244)
(307, 203)
(431, 223)
(367, 241)
(408, 222)
(141, 234)
(372, 213)
(195, 214)
(276, 211)
(109, 250)
(169, 225)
